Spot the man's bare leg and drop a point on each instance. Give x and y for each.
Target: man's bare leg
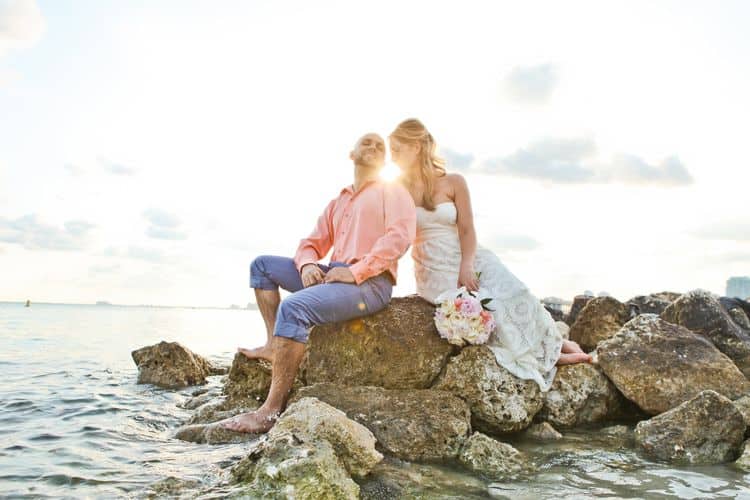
(268, 303)
(572, 353)
(287, 355)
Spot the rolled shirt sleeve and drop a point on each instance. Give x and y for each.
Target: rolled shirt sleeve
(316, 246)
(400, 230)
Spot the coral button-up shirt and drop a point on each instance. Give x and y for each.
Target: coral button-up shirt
(369, 229)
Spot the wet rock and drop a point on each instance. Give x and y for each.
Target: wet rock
(652, 304)
(579, 302)
(499, 401)
(287, 467)
(621, 435)
(220, 408)
(172, 366)
(738, 309)
(600, 319)
(315, 420)
(659, 365)
(249, 379)
(701, 313)
(212, 434)
(543, 432)
(396, 348)
(201, 399)
(743, 463)
(707, 429)
(743, 405)
(415, 424)
(581, 394)
(492, 459)
(170, 487)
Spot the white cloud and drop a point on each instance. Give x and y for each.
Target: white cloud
(116, 168)
(162, 233)
(35, 235)
(164, 225)
(574, 161)
(21, 24)
(731, 230)
(456, 160)
(531, 84)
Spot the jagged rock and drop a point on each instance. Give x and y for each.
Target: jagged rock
(499, 401)
(413, 424)
(396, 348)
(622, 435)
(220, 408)
(579, 302)
(701, 313)
(212, 434)
(658, 365)
(600, 319)
(581, 394)
(249, 379)
(492, 459)
(543, 432)
(707, 429)
(201, 399)
(172, 366)
(743, 463)
(170, 487)
(654, 303)
(353, 443)
(738, 309)
(286, 467)
(743, 405)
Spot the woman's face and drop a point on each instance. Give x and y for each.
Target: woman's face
(403, 154)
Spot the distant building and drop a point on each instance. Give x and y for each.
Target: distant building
(738, 286)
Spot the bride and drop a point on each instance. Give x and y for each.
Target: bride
(446, 256)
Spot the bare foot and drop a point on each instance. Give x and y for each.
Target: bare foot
(253, 422)
(263, 352)
(573, 358)
(570, 346)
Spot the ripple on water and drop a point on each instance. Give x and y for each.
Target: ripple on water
(45, 437)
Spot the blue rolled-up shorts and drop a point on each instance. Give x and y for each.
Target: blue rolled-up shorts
(317, 304)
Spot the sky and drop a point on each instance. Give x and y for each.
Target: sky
(150, 150)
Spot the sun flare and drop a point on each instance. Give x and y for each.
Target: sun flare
(390, 172)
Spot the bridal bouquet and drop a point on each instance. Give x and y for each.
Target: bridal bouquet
(462, 316)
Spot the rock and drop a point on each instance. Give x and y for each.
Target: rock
(353, 443)
(556, 314)
(563, 328)
(220, 408)
(738, 309)
(287, 467)
(413, 424)
(658, 365)
(621, 435)
(543, 432)
(743, 463)
(581, 394)
(170, 487)
(499, 401)
(249, 379)
(492, 459)
(707, 429)
(201, 399)
(212, 434)
(396, 348)
(579, 301)
(743, 405)
(652, 304)
(172, 366)
(600, 319)
(701, 313)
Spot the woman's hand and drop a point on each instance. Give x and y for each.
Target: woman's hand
(467, 277)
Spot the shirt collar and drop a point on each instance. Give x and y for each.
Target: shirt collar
(350, 188)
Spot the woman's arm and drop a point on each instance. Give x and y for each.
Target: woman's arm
(466, 234)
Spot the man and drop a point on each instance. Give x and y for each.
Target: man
(369, 225)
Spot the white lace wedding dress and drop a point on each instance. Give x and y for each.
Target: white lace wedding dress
(526, 341)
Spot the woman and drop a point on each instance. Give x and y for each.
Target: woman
(446, 256)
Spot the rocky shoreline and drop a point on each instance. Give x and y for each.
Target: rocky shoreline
(378, 391)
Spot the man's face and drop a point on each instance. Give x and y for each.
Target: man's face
(369, 151)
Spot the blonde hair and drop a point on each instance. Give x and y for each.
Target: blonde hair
(431, 166)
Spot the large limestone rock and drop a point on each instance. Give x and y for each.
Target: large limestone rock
(743, 463)
(172, 366)
(707, 429)
(743, 405)
(579, 302)
(701, 313)
(312, 419)
(415, 424)
(499, 401)
(248, 379)
(600, 319)
(285, 467)
(658, 365)
(581, 394)
(492, 459)
(738, 309)
(654, 303)
(396, 348)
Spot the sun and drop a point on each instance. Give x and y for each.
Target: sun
(389, 172)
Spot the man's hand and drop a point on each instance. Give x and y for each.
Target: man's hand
(311, 275)
(339, 274)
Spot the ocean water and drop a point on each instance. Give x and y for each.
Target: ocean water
(73, 422)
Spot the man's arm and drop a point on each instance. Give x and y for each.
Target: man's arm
(400, 230)
(316, 246)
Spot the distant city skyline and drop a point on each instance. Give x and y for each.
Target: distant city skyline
(739, 286)
(150, 150)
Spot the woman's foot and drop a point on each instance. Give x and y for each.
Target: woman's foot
(263, 352)
(573, 358)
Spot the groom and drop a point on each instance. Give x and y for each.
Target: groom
(369, 225)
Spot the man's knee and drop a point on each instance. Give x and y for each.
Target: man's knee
(258, 274)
